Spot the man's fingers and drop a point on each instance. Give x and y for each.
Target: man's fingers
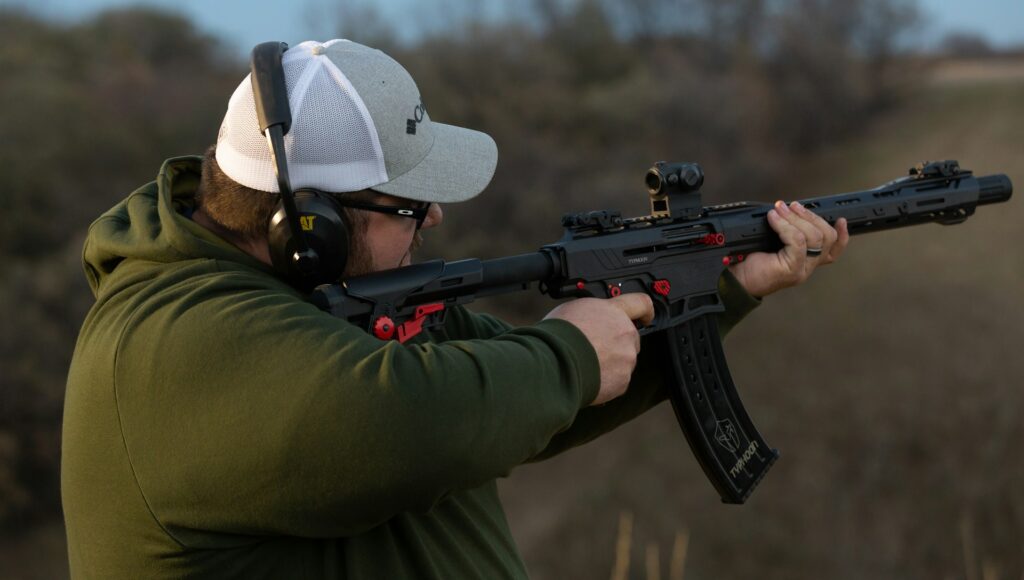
(794, 254)
(636, 305)
(842, 228)
(815, 237)
(836, 238)
(829, 235)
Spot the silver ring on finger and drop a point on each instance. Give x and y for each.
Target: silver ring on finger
(814, 252)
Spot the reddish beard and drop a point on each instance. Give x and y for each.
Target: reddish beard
(361, 262)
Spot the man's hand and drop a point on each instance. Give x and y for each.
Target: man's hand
(608, 325)
(762, 274)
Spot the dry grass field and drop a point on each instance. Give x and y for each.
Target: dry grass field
(892, 383)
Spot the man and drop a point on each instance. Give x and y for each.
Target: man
(218, 425)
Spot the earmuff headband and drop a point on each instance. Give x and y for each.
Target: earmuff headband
(275, 119)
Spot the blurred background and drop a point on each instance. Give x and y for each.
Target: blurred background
(891, 382)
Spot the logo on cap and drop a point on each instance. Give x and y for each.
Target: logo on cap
(417, 117)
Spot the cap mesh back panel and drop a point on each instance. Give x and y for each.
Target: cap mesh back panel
(241, 128)
(329, 145)
(330, 129)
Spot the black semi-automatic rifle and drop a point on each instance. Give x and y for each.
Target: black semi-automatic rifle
(675, 255)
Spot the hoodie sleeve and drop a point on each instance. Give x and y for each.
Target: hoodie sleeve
(246, 410)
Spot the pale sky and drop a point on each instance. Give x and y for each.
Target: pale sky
(244, 23)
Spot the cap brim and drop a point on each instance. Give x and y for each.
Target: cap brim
(459, 166)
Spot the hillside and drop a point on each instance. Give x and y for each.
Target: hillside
(891, 383)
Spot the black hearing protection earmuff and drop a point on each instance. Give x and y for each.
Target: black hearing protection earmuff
(308, 234)
(323, 228)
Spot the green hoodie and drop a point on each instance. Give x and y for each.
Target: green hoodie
(217, 425)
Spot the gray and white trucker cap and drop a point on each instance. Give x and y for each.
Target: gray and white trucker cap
(358, 122)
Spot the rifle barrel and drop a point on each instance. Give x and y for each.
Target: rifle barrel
(994, 189)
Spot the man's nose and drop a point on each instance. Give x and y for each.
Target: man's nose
(434, 216)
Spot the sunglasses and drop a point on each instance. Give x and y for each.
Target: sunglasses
(418, 211)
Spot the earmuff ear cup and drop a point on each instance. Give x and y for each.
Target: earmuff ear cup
(325, 231)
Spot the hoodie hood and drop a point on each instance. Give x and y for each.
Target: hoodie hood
(150, 226)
